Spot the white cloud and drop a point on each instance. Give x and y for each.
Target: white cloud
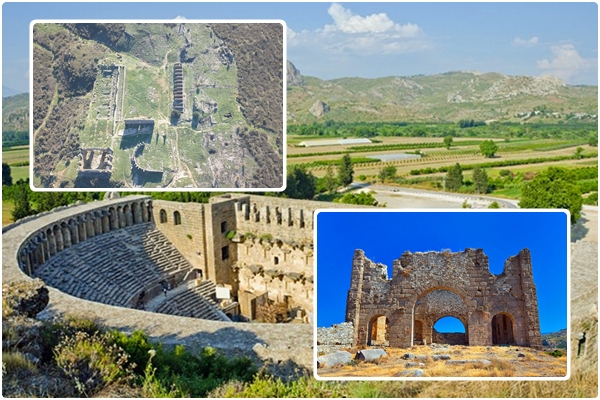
(566, 62)
(180, 17)
(356, 34)
(532, 41)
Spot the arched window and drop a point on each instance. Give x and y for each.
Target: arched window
(177, 218)
(163, 216)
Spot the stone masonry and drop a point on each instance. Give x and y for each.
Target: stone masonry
(495, 309)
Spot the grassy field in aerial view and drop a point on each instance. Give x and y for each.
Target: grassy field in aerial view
(91, 81)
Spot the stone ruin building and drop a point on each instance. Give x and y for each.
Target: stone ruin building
(178, 87)
(95, 161)
(138, 126)
(225, 260)
(424, 287)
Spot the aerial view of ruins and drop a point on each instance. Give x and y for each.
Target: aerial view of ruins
(158, 105)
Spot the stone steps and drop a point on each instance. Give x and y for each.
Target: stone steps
(193, 303)
(113, 268)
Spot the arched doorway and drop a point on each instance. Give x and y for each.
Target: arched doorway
(449, 330)
(378, 330)
(418, 332)
(434, 305)
(502, 329)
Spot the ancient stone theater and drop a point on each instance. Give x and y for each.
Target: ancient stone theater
(494, 309)
(200, 269)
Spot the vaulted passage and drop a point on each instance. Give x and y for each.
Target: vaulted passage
(502, 329)
(378, 330)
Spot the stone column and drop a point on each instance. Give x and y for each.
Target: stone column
(122, 223)
(150, 210)
(66, 236)
(105, 221)
(98, 222)
(74, 231)
(137, 213)
(128, 216)
(82, 228)
(51, 242)
(59, 239)
(91, 229)
(144, 211)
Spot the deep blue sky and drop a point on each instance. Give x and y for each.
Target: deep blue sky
(332, 40)
(384, 236)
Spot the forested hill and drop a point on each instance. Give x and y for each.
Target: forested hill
(15, 119)
(447, 97)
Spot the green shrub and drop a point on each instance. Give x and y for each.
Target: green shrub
(230, 235)
(555, 353)
(90, 362)
(591, 200)
(53, 332)
(494, 204)
(266, 236)
(14, 362)
(304, 387)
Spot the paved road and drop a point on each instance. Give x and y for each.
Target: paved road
(421, 198)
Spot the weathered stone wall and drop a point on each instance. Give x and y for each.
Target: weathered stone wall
(453, 338)
(188, 235)
(406, 297)
(283, 269)
(286, 219)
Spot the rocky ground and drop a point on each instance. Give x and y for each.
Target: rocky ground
(438, 360)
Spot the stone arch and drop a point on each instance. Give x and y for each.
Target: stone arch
(163, 216)
(378, 330)
(428, 319)
(177, 218)
(503, 328)
(454, 338)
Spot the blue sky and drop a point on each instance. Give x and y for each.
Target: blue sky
(332, 40)
(384, 236)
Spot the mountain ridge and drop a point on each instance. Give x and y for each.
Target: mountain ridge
(444, 97)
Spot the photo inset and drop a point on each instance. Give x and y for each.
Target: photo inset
(177, 105)
(444, 294)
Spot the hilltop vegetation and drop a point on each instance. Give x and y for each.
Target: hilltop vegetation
(15, 120)
(445, 97)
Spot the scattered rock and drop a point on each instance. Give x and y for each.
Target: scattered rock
(521, 355)
(410, 373)
(481, 361)
(319, 109)
(414, 364)
(408, 356)
(421, 357)
(330, 360)
(370, 355)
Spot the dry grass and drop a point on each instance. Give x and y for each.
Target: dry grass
(504, 363)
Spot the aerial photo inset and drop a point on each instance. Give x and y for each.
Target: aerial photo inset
(157, 106)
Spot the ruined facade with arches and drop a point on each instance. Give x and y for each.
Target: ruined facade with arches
(425, 287)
